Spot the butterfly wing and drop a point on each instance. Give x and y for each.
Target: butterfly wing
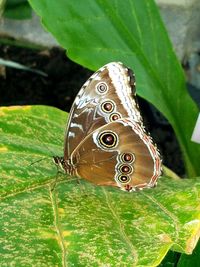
(118, 154)
(108, 95)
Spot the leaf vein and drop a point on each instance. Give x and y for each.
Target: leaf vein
(121, 228)
(168, 213)
(53, 198)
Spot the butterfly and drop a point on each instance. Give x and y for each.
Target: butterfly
(105, 140)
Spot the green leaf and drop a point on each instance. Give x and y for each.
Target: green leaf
(2, 6)
(17, 9)
(95, 32)
(190, 260)
(16, 65)
(79, 224)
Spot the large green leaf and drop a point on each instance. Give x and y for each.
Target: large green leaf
(79, 224)
(95, 32)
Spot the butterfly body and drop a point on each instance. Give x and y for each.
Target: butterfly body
(105, 141)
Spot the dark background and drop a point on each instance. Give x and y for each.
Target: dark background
(60, 87)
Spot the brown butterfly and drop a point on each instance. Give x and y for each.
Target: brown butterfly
(105, 141)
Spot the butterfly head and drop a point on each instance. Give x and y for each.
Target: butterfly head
(64, 165)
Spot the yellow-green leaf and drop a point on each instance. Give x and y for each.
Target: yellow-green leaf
(80, 224)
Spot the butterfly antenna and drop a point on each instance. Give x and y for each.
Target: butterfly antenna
(60, 170)
(36, 161)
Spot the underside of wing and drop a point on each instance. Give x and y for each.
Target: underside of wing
(107, 96)
(118, 154)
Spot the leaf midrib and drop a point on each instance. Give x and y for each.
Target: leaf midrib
(124, 31)
(58, 227)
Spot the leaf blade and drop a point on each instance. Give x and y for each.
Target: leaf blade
(82, 224)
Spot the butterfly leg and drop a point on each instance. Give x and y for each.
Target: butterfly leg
(56, 161)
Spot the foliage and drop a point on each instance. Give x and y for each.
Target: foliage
(2, 6)
(16, 65)
(17, 9)
(190, 260)
(77, 223)
(170, 259)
